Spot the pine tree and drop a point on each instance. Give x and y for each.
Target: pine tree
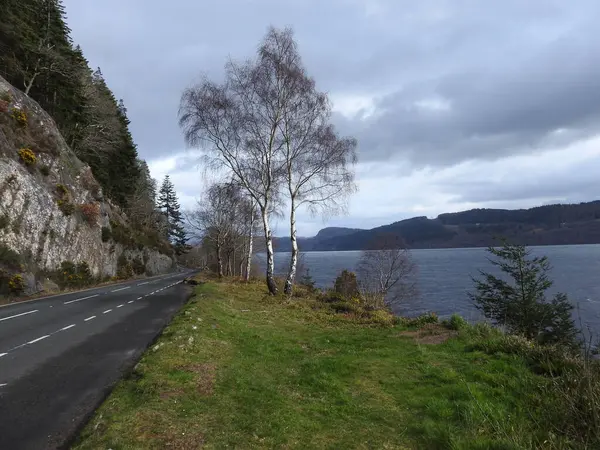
(169, 205)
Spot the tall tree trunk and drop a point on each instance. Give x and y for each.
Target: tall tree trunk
(270, 259)
(250, 244)
(289, 282)
(219, 260)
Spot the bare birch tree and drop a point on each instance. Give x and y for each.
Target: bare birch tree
(386, 272)
(215, 219)
(318, 164)
(238, 123)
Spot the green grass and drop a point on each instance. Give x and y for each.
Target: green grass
(239, 369)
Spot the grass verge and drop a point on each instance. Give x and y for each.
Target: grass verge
(239, 369)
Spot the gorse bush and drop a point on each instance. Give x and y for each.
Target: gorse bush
(522, 306)
(71, 275)
(27, 157)
(62, 190)
(16, 285)
(19, 116)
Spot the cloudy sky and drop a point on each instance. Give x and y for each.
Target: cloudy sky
(456, 104)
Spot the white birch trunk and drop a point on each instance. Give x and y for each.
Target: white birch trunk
(250, 245)
(270, 259)
(289, 282)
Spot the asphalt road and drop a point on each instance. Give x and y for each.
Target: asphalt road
(61, 355)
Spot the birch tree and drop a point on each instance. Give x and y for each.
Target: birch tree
(238, 124)
(386, 272)
(214, 219)
(318, 164)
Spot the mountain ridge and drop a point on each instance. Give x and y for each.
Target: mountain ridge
(556, 224)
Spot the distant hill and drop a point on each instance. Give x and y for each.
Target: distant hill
(543, 225)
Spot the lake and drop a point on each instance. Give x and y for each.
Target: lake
(444, 277)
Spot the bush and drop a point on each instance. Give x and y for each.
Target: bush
(307, 281)
(139, 268)
(5, 96)
(62, 190)
(382, 317)
(456, 322)
(27, 157)
(90, 212)
(4, 221)
(9, 258)
(73, 275)
(418, 321)
(106, 234)
(124, 268)
(45, 170)
(522, 306)
(346, 284)
(16, 285)
(66, 207)
(19, 116)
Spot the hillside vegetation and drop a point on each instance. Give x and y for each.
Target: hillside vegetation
(240, 369)
(544, 225)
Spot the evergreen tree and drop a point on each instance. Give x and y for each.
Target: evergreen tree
(521, 304)
(169, 205)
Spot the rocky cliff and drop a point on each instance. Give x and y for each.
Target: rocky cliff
(52, 209)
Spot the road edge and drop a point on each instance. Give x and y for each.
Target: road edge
(125, 373)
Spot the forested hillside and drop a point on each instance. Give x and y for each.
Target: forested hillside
(75, 198)
(38, 56)
(544, 225)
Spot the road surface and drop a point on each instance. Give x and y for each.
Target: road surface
(61, 355)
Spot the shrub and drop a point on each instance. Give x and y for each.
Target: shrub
(522, 306)
(19, 116)
(346, 284)
(456, 322)
(419, 321)
(16, 285)
(139, 268)
(62, 190)
(307, 281)
(45, 170)
(66, 207)
(5, 96)
(106, 234)
(4, 221)
(381, 317)
(9, 258)
(74, 275)
(27, 157)
(90, 212)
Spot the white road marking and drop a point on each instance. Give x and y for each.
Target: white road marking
(67, 328)
(130, 302)
(3, 384)
(122, 289)
(141, 284)
(18, 315)
(107, 311)
(89, 318)
(3, 354)
(139, 298)
(80, 299)
(39, 339)
(120, 306)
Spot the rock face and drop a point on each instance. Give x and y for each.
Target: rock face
(53, 210)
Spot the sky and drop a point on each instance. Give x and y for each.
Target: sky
(456, 104)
